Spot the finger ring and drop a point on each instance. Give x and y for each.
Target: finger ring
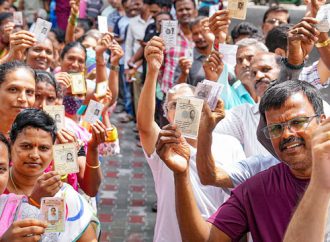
(296, 31)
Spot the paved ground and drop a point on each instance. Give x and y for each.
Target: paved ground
(127, 193)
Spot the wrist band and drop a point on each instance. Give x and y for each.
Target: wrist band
(114, 68)
(81, 110)
(323, 44)
(292, 67)
(112, 134)
(33, 202)
(93, 167)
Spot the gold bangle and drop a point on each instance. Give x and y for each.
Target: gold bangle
(63, 177)
(93, 167)
(114, 68)
(33, 202)
(323, 44)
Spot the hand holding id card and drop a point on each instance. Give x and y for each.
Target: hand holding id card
(187, 116)
(78, 83)
(93, 112)
(169, 33)
(41, 29)
(57, 112)
(65, 158)
(52, 210)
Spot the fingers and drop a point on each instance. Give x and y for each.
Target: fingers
(304, 31)
(30, 222)
(35, 230)
(98, 132)
(155, 44)
(219, 21)
(66, 136)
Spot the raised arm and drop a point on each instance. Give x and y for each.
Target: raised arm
(116, 54)
(69, 33)
(309, 220)
(148, 128)
(175, 152)
(102, 45)
(209, 173)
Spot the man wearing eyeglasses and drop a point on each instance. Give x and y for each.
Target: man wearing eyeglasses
(273, 17)
(264, 203)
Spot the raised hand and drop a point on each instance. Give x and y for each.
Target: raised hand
(210, 119)
(19, 42)
(313, 7)
(116, 53)
(47, 185)
(154, 53)
(301, 40)
(104, 43)
(173, 149)
(74, 4)
(321, 155)
(219, 24)
(64, 79)
(213, 66)
(24, 231)
(99, 132)
(185, 65)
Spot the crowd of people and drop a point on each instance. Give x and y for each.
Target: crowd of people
(258, 169)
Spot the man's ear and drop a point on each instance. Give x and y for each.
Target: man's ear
(322, 118)
(280, 52)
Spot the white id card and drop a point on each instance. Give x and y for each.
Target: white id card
(187, 116)
(65, 158)
(237, 9)
(169, 33)
(101, 88)
(93, 112)
(57, 112)
(41, 29)
(103, 24)
(18, 18)
(52, 210)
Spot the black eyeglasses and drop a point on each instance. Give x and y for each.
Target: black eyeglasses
(274, 131)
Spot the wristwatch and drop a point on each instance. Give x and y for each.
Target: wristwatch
(114, 68)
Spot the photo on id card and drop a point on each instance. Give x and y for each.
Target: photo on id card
(78, 83)
(93, 112)
(237, 9)
(57, 112)
(187, 116)
(65, 158)
(52, 210)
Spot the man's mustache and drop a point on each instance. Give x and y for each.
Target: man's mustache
(291, 139)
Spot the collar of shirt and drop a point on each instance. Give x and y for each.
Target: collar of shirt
(255, 108)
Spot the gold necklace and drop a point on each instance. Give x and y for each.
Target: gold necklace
(12, 181)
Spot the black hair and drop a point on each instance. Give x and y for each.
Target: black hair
(59, 34)
(2, 1)
(245, 28)
(45, 76)
(204, 11)
(33, 118)
(123, 2)
(278, 37)
(4, 16)
(276, 9)
(9, 67)
(85, 24)
(196, 21)
(71, 45)
(5, 141)
(162, 3)
(175, 1)
(279, 91)
(164, 13)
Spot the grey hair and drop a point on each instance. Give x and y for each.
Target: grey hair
(174, 90)
(252, 42)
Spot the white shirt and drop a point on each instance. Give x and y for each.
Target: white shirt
(135, 33)
(242, 122)
(225, 149)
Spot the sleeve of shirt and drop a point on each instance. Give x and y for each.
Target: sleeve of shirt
(242, 170)
(129, 45)
(311, 75)
(231, 217)
(231, 125)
